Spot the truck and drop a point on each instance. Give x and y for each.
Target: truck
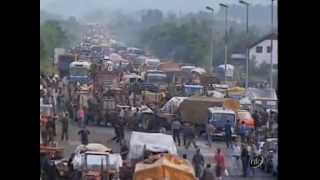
(64, 62)
(157, 78)
(79, 71)
(194, 110)
(263, 98)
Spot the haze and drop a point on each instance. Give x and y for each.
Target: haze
(78, 8)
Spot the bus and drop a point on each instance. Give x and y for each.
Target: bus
(79, 71)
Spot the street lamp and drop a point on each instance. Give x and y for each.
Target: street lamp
(271, 47)
(211, 41)
(247, 43)
(226, 41)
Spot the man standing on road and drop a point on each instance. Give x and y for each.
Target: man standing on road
(116, 127)
(208, 173)
(190, 137)
(65, 126)
(210, 131)
(245, 160)
(236, 153)
(228, 133)
(220, 163)
(198, 163)
(176, 125)
(84, 133)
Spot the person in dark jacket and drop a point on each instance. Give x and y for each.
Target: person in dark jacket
(124, 150)
(245, 160)
(190, 137)
(65, 126)
(198, 163)
(228, 133)
(208, 173)
(84, 133)
(126, 171)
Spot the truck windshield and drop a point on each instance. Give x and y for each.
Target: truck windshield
(154, 78)
(94, 162)
(222, 117)
(77, 71)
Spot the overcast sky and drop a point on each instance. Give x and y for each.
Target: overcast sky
(79, 7)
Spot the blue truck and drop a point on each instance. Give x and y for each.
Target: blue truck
(64, 62)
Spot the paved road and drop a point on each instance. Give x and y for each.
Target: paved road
(103, 134)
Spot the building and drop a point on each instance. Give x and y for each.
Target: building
(261, 49)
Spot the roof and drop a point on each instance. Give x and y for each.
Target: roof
(198, 70)
(220, 110)
(273, 36)
(258, 93)
(193, 86)
(169, 66)
(229, 66)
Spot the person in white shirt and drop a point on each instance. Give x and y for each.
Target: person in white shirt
(236, 156)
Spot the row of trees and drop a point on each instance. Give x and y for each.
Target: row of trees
(53, 34)
(186, 38)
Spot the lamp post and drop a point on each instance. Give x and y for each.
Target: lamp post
(247, 45)
(271, 47)
(211, 41)
(226, 40)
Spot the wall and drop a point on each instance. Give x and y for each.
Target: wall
(264, 56)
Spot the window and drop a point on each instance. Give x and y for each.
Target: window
(259, 49)
(268, 49)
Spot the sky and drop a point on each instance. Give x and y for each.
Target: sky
(80, 7)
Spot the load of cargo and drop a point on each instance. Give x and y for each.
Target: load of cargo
(164, 166)
(141, 143)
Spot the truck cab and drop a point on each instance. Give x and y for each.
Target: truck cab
(218, 117)
(157, 78)
(79, 71)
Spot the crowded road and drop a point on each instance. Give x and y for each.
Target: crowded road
(104, 134)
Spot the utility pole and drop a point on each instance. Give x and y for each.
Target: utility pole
(211, 42)
(247, 41)
(271, 46)
(226, 40)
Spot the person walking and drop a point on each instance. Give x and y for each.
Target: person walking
(220, 163)
(190, 137)
(183, 130)
(198, 163)
(65, 126)
(210, 131)
(228, 133)
(81, 117)
(176, 126)
(116, 127)
(245, 160)
(208, 173)
(44, 129)
(121, 131)
(84, 133)
(252, 154)
(236, 154)
(242, 132)
(124, 150)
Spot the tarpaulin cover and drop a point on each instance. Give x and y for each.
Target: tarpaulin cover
(172, 105)
(151, 97)
(167, 167)
(155, 142)
(195, 109)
